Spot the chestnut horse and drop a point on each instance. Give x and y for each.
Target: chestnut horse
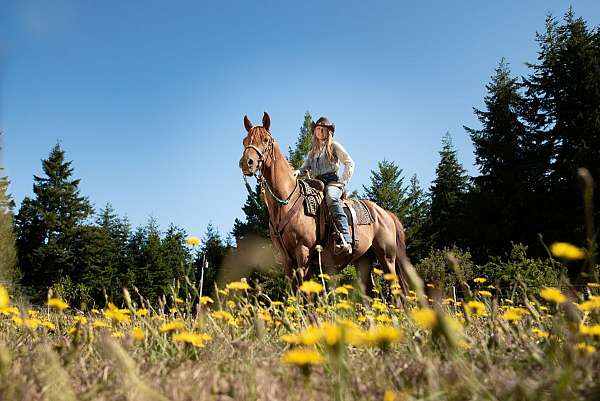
(295, 234)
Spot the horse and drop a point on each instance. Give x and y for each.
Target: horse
(294, 233)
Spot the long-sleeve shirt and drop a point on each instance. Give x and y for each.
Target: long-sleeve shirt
(319, 164)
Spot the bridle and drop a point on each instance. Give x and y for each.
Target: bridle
(260, 177)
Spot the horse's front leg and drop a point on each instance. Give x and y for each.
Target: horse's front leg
(302, 253)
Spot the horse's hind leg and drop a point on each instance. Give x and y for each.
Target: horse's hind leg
(386, 255)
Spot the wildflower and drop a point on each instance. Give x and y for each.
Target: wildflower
(514, 314)
(206, 300)
(424, 318)
(57, 303)
(32, 313)
(141, 312)
(310, 336)
(383, 319)
(332, 333)
(197, 340)
(447, 301)
(116, 314)
(100, 323)
(117, 334)
(475, 308)
(179, 300)
(539, 333)
(224, 315)
(343, 304)
(95, 311)
(48, 325)
(171, 326)
(290, 309)
(390, 277)
(81, 319)
(325, 276)
(265, 315)
(567, 251)
(377, 271)
(223, 292)
(383, 335)
(310, 287)
(590, 349)
(480, 280)
(484, 293)
(193, 241)
(553, 295)
(341, 290)
(238, 285)
(591, 304)
(389, 395)
(379, 306)
(4, 297)
(137, 334)
(302, 357)
(592, 331)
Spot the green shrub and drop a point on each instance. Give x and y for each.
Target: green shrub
(435, 269)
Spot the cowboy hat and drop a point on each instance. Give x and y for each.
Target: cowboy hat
(324, 122)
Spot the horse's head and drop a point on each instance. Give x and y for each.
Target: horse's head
(258, 146)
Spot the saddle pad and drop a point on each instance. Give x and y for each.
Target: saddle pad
(363, 215)
(312, 199)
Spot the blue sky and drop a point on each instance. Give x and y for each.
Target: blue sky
(147, 98)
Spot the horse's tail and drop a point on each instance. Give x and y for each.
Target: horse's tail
(403, 265)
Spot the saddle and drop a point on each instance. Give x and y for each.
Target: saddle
(315, 205)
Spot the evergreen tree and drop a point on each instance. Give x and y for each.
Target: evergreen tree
(501, 188)
(9, 274)
(387, 189)
(257, 218)
(303, 143)
(563, 99)
(416, 220)
(448, 192)
(212, 252)
(48, 225)
(176, 254)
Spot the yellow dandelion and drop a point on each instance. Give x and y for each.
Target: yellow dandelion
(265, 315)
(592, 331)
(484, 293)
(390, 277)
(193, 241)
(383, 319)
(377, 271)
(223, 315)
(591, 304)
(424, 318)
(117, 334)
(81, 319)
(389, 395)
(171, 326)
(58, 304)
(4, 297)
(311, 287)
(343, 304)
(179, 300)
(48, 325)
(342, 290)
(475, 308)
(137, 334)
(514, 314)
(383, 335)
(238, 285)
(117, 315)
(195, 339)
(325, 276)
(590, 349)
(480, 280)
(302, 357)
(447, 301)
(100, 323)
(553, 295)
(567, 251)
(141, 312)
(206, 300)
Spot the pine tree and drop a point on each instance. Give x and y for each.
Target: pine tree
(9, 273)
(387, 189)
(502, 186)
(416, 220)
(257, 218)
(176, 254)
(48, 225)
(564, 116)
(448, 192)
(213, 252)
(303, 143)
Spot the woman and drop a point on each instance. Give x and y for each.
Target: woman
(323, 161)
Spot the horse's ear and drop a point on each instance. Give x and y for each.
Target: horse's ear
(247, 123)
(266, 121)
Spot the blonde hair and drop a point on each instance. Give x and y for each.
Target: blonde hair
(328, 145)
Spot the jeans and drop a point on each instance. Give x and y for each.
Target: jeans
(334, 203)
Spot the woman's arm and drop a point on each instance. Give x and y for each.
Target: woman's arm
(305, 166)
(345, 158)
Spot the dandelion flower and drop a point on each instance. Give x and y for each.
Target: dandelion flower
(539, 333)
(100, 323)
(342, 290)
(302, 357)
(480, 280)
(4, 297)
(592, 331)
(58, 304)
(238, 285)
(310, 287)
(171, 326)
(591, 304)
(590, 349)
(475, 308)
(141, 312)
(390, 277)
(383, 335)
(197, 340)
(193, 241)
(206, 300)
(377, 271)
(325, 276)
(137, 334)
(117, 334)
(553, 295)
(567, 251)
(484, 293)
(514, 314)
(424, 318)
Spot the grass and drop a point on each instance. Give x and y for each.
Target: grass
(318, 344)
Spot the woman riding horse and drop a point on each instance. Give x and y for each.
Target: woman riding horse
(323, 162)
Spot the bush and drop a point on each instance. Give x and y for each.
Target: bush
(518, 268)
(435, 269)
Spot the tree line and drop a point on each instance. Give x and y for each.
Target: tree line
(535, 132)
